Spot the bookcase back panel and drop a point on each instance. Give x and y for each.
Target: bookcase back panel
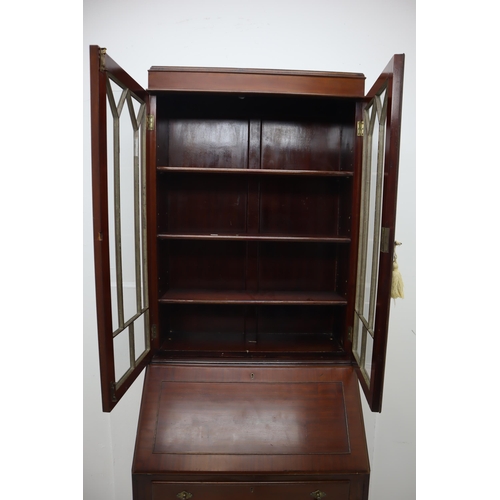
(205, 319)
(252, 131)
(304, 320)
(314, 206)
(249, 266)
(213, 265)
(306, 146)
(208, 143)
(297, 266)
(202, 204)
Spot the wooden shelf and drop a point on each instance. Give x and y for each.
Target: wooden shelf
(254, 171)
(234, 343)
(254, 237)
(247, 297)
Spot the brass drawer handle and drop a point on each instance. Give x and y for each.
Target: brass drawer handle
(318, 494)
(183, 495)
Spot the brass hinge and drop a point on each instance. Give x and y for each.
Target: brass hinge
(151, 122)
(113, 392)
(360, 128)
(102, 59)
(349, 334)
(153, 332)
(384, 240)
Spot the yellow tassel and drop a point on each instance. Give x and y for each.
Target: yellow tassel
(397, 287)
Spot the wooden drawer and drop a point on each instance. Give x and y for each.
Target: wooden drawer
(334, 490)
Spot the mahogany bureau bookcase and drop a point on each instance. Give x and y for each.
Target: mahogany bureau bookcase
(244, 240)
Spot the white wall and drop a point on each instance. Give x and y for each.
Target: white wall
(335, 35)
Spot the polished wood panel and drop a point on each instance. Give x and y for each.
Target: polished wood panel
(297, 267)
(208, 143)
(236, 270)
(214, 265)
(298, 206)
(300, 389)
(280, 206)
(202, 204)
(301, 319)
(265, 418)
(303, 146)
(167, 78)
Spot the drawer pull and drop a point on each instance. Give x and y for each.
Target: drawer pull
(183, 495)
(318, 494)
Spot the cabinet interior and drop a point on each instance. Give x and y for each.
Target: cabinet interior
(253, 224)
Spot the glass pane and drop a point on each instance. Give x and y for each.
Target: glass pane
(378, 156)
(140, 337)
(368, 355)
(121, 354)
(127, 215)
(127, 225)
(374, 117)
(110, 123)
(356, 341)
(371, 171)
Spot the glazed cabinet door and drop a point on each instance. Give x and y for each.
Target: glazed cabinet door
(119, 118)
(380, 127)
